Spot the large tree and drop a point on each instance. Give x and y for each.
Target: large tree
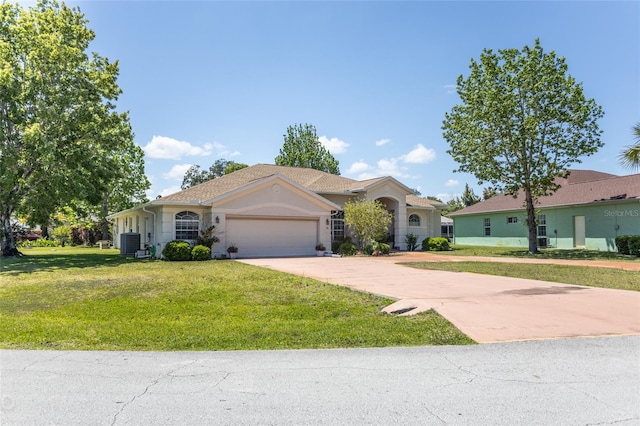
(302, 148)
(61, 139)
(195, 175)
(522, 123)
(630, 157)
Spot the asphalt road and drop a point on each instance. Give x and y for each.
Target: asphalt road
(582, 381)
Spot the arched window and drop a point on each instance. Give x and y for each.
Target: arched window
(414, 220)
(187, 225)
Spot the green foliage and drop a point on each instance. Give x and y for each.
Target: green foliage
(62, 234)
(467, 199)
(412, 241)
(382, 248)
(628, 244)
(630, 157)
(200, 252)
(195, 176)
(302, 148)
(177, 250)
(347, 249)
(435, 244)
(40, 242)
(522, 123)
(368, 220)
(207, 237)
(60, 133)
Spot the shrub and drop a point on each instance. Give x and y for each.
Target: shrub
(368, 249)
(412, 241)
(383, 248)
(628, 244)
(634, 245)
(177, 250)
(62, 234)
(201, 252)
(347, 249)
(40, 242)
(622, 244)
(435, 243)
(207, 237)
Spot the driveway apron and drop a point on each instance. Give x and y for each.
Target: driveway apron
(486, 308)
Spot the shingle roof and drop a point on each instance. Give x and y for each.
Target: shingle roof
(314, 180)
(581, 187)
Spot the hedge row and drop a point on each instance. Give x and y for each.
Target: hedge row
(628, 244)
(181, 250)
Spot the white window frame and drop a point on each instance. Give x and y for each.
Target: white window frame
(419, 220)
(187, 225)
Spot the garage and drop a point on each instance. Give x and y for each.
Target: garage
(267, 237)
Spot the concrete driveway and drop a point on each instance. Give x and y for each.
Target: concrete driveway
(486, 308)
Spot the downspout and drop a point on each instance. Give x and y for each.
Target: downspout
(156, 249)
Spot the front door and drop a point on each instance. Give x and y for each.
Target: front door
(579, 233)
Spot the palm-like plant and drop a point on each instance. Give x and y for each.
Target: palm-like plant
(630, 157)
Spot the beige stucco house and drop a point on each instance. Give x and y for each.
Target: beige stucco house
(268, 210)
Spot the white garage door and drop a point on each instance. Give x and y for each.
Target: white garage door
(272, 238)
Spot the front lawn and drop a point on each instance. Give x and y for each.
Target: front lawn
(70, 298)
(580, 275)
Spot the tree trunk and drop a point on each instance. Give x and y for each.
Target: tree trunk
(105, 222)
(8, 239)
(532, 224)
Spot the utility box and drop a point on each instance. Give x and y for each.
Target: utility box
(129, 243)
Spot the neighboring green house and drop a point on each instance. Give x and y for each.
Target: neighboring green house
(588, 211)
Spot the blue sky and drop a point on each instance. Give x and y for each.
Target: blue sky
(208, 80)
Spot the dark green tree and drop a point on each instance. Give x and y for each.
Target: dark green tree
(522, 123)
(302, 148)
(61, 139)
(195, 175)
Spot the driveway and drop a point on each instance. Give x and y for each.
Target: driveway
(486, 308)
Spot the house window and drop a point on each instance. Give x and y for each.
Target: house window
(187, 225)
(446, 230)
(512, 219)
(337, 226)
(487, 227)
(542, 225)
(414, 220)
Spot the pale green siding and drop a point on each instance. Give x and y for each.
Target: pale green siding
(602, 223)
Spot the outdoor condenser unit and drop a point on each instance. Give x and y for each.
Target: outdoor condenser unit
(129, 243)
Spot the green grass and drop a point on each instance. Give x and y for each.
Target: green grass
(581, 275)
(69, 298)
(549, 253)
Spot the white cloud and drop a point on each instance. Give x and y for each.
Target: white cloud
(367, 176)
(334, 145)
(451, 182)
(234, 154)
(445, 197)
(450, 88)
(390, 167)
(358, 167)
(170, 190)
(177, 172)
(419, 155)
(172, 149)
(382, 142)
